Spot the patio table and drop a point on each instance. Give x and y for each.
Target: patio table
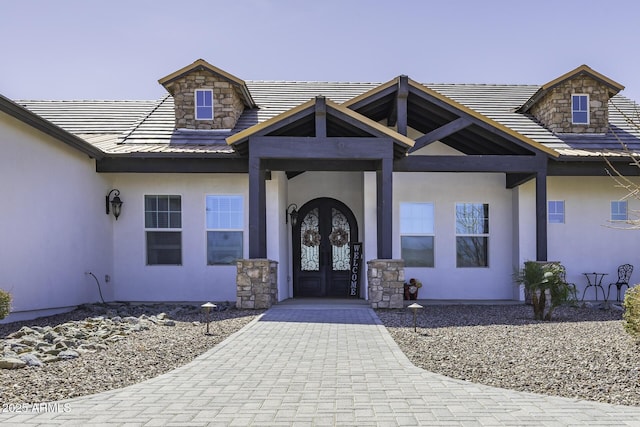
(595, 279)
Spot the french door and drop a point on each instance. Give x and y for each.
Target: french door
(322, 250)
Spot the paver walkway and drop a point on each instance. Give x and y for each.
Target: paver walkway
(305, 365)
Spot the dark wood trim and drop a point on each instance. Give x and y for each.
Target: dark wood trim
(384, 207)
(541, 216)
(441, 132)
(173, 165)
(401, 102)
(307, 165)
(514, 180)
(257, 210)
(595, 167)
(471, 163)
(321, 117)
(364, 102)
(275, 147)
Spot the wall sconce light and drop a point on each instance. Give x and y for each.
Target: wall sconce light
(293, 213)
(116, 203)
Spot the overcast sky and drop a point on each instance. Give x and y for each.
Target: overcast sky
(118, 49)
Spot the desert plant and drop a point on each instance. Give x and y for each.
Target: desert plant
(632, 312)
(5, 304)
(544, 284)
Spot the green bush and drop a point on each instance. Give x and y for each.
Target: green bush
(632, 312)
(544, 283)
(5, 304)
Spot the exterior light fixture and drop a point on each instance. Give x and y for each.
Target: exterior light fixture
(415, 307)
(207, 307)
(292, 211)
(116, 203)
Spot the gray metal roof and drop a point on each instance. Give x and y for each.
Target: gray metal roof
(127, 127)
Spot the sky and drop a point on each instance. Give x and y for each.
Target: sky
(118, 49)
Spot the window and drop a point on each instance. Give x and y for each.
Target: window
(556, 211)
(416, 234)
(619, 210)
(163, 226)
(204, 104)
(472, 235)
(580, 109)
(225, 219)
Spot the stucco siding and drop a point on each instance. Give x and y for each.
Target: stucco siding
(588, 241)
(194, 280)
(445, 280)
(53, 223)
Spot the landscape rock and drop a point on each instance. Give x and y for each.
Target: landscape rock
(9, 362)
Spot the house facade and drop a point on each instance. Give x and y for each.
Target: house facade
(256, 192)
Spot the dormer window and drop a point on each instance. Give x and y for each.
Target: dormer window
(204, 104)
(580, 109)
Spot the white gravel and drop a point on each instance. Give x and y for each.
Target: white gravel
(584, 353)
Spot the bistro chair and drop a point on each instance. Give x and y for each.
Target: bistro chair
(624, 275)
(562, 273)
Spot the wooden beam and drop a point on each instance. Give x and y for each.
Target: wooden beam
(401, 102)
(471, 163)
(541, 216)
(305, 165)
(321, 117)
(384, 201)
(257, 210)
(226, 164)
(514, 180)
(289, 147)
(442, 132)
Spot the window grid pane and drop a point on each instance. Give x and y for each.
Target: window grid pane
(224, 216)
(556, 211)
(162, 212)
(580, 109)
(619, 210)
(417, 229)
(204, 104)
(472, 240)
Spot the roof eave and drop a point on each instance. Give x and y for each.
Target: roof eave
(30, 118)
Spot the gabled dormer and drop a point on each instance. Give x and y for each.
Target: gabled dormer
(576, 102)
(206, 97)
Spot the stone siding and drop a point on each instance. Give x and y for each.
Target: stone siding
(554, 109)
(227, 102)
(256, 284)
(386, 283)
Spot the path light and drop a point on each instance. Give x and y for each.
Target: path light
(415, 307)
(207, 307)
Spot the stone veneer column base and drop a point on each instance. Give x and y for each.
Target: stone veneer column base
(386, 283)
(256, 284)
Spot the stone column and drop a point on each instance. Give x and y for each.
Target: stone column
(256, 284)
(386, 283)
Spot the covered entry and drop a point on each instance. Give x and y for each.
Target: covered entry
(321, 246)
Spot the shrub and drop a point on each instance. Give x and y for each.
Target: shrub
(632, 312)
(547, 289)
(5, 304)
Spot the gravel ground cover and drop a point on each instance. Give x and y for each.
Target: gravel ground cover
(140, 356)
(583, 353)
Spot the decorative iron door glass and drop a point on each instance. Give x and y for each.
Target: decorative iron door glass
(322, 250)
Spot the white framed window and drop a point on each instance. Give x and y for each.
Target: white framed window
(580, 109)
(555, 211)
(417, 234)
(224, 222)
(619, 210)
(163, 229)
(204, 104)
(472, 235)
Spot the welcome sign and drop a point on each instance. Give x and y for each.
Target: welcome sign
(354, 271)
